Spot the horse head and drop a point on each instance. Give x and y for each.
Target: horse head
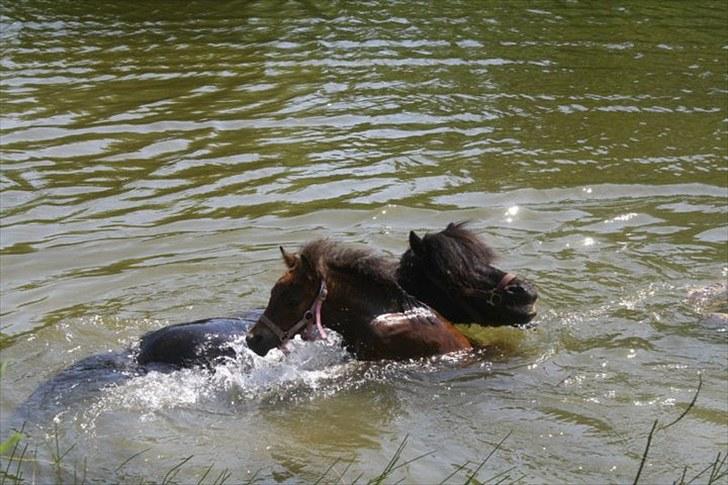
(295, 301)
(452, 272)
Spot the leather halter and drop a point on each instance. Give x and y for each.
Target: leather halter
(505, 281)
(493, 296)
(313, 313)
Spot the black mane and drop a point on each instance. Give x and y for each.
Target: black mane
(455, 257)
(459, 244)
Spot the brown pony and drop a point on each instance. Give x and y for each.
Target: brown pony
(355, 293)
(451, 271)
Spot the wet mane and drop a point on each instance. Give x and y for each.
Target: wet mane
(327, 255)
(464, 239)
(456, 257)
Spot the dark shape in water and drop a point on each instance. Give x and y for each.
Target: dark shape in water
(203, 343)
(199, 343)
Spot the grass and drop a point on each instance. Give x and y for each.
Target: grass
(718, 468)
(11, 473)
(15, 459)
(468, 473)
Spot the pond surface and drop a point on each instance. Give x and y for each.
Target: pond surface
(155, 155)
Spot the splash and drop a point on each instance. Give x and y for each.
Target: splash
(305, 370)
(303, 365)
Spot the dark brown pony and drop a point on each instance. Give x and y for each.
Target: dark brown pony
(451, 271)
(355, 293)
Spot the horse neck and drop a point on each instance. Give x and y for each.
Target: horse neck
(353, 302)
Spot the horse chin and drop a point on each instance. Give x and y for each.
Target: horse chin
(524, 314)
(517, 316)
(260, 352)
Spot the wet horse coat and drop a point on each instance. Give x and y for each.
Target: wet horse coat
(376, 318)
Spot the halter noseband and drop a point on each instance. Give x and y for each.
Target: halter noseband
(505, 281)
(493, 296)
(314, 312)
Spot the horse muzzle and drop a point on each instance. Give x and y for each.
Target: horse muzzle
(261, 341)
(517, 302)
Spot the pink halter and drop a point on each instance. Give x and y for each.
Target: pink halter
(317, 304)
(505, 281)
(310, 316)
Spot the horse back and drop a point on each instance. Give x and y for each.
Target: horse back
(203, 342)
(417, 332)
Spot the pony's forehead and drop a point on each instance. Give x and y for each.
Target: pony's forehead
(294, 275)
(288, 277)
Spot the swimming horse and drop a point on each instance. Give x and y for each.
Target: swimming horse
(385, 310)
(382, 308)
(445, 274)
(352, 291)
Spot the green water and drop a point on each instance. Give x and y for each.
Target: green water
(155, 155)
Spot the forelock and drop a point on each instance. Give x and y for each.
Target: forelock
(459, 241)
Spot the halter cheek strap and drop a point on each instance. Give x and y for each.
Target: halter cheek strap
(314, 312)
(317, 309)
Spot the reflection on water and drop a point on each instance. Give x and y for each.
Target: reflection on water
(155, 156)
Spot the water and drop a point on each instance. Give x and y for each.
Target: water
(154, 156)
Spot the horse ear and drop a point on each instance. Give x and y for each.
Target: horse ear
(289, 258)
(415, 243)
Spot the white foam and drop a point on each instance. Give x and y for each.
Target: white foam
(306, 370)
(246, 377)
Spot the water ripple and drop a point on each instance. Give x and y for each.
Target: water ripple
(155, 157)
